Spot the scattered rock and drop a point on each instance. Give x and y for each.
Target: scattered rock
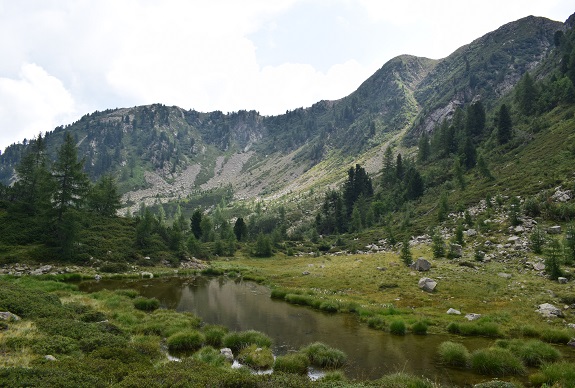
(381, 268)
(305, 273)
(8, 316)
(470, 232)
(549, 311)
(49, 357)
(504, 275)
(554, 229)
(456, 250)
(513, 240)
(228, 354)
(562, 280)
(421, 265)
(97, 277)
(519, 229)
(571, 343)
(472, 316)
(538, 266)
(427, 284)
(453, 312)
(561, 195)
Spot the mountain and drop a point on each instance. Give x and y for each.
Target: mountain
(159, 153)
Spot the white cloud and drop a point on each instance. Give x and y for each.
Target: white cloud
(33, 103)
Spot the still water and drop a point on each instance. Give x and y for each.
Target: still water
(241, 305)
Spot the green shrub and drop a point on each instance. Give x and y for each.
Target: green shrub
(532, 352)
(303, 300)
(278, 293)
(210, 271)
(240, 340)
(333, 377)
(146, 304)
(376, 322)
(496, 362)
(419, 328)
(3, 326)
(125, 354)
(323, 356)
(31, 303)
(256, 357)
(114, 268)
(210, 356)
(214, 335)
(401, 379)
(485, 329)
(93, 316)
(560, 374)
(55, 344)
(397, 327)
(186, 341)
(453, 328)
(127, 292)
(453, 354)
(296, 363)
(529, 331)
(329, 306)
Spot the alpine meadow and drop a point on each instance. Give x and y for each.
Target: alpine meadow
(438, 199)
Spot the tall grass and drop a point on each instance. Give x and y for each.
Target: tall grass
(239, 340)
(453, 354)
(323, 356)
(186, 341)
(532, 352)
(496, 362)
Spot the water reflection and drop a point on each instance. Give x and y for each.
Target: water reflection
(242, 305)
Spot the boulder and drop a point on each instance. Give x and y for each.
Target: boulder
(304, 273)
(504, 275)
(453, 312)
(562, 280)
(49, 357)
(513, 240)
(228, 354)
(472, 316)
(549, 311)
(456, 250)
(470, 232)
(554, 229)
(8, 316)
(97, 277)
(427, 284)
(538, 266)
(421, 265)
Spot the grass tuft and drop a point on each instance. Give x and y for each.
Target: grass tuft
(453, 354)
(323, 356)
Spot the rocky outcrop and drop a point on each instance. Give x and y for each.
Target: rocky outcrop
(421, 265)
(547, 310)
(427, 284)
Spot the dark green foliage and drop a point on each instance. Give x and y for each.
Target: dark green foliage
(526, 95)
(263, 246)
(453, 354)
(401, 380)
(537, 240)
(323, 356)
(437, 244)
(240, 229)
(146, 304)
(496, 362)
(443, 207)
(256, 357)
(55, 344)
(553, 258)
(504, 125)
(533, 352)
(210, 356)
(103, 197)
(479, 328)
(423, 148)
(214, 335)
(114, 267)
(196, 224)
(561, 374)
(188, 340)
(405, 254)
(555, 336)
(397, 327)
(240, 340)
(419, 328)
(28, 303)
(296, 363)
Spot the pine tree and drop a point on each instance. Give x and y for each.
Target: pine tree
(405, 254)
(71, 181)
(196, 224)
(240, 229)
(526, 95)
(423, 148)
(504, 125)
(103, 197)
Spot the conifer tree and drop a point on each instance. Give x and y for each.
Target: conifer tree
(240, 229)
(504, 125)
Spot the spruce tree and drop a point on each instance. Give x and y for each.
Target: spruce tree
(504, 125)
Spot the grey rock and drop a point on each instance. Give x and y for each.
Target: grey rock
(554, 229)
(562, 280)
(472, 316)
(228, 354)
(504, 275)
(456, 250)
(470, 232)
(305, 273)
(49, 357)
(427, 284)
(421, 265)
(549, 311)
(453, 312)
(381, 268)
(8, 316)
(538, 266)
(97, 277)
(513, 240)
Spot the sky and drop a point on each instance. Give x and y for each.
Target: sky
(61, 59)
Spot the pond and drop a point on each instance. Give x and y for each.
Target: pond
(243, 305)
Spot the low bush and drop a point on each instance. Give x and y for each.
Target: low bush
(210, 271)
(186, 341)
(214, 335)
(556, 336)
(333, 377)
(127, 292)
(559, 374)
(303, 300)
(376, 322)
(278, 293)
(453, 354)
(296, 363)
(496, 362)
(114, 268)
(256, 357)
(484, 329)
(397, 327)
(401, 379)
(210, 356)
(329, 306)
(323, 356)
(146, 304)
(419, 328)
(239, 340)
(93, 316)
(532, 352)
(55, 344)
